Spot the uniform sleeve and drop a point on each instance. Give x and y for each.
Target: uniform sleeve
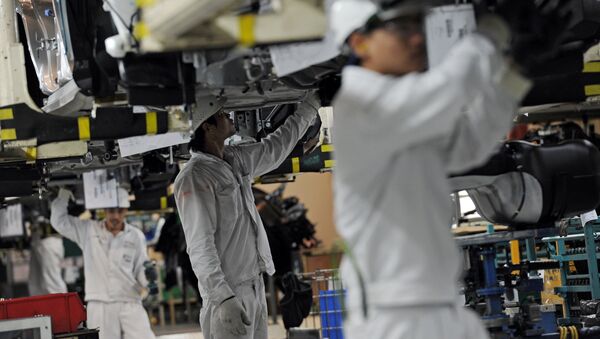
(196, 203)
(68, 226)
(409, 110)
(485, 123)
(141, 258)
(264, 156)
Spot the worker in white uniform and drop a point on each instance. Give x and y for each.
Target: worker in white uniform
(114, 253)
(226, 240)
(47, 254)
(399, 131)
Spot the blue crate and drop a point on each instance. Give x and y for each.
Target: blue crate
(330, 307)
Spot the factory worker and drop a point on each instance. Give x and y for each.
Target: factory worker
(226, 240)
(47, 254)
(47, 251)
(114, 253)
(400, 129)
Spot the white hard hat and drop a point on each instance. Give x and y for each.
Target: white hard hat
(122, 198)
(346, 16)
(206, 107)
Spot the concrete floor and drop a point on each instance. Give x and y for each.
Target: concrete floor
(193, 332)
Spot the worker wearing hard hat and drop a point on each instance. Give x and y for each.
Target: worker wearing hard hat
(114, 253)
(226, 240)
(400, 129)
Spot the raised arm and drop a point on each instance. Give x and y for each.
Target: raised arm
(68, 226)
(485, 123)
(399, 112)
(196, 203)
(264, 156)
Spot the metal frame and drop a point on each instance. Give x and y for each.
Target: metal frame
(43, 323)
(591, 230)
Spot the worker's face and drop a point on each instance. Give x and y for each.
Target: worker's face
(396, 48)
(223, 129)
(115, 218)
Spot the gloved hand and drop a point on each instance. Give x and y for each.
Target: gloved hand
(233, 316)
(495, 29)
(538, 28)
(309, 107)
(65, 194)
(312, 100)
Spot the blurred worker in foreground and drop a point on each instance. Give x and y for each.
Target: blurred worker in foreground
(400, 129)
(114, 253)
(226, 240)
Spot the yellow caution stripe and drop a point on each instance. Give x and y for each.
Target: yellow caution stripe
(8, 134)
(6, 114)
(83, 124)
(591, 67)
(591, 90)
(515, 252)
(247, 22)
(329, 163)
(144, 3)
(295, 165)
(140, 30)
(31, 153)
(327, 148)
(163, 203)
(151, 123)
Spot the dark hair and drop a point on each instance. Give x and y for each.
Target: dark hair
(197, 143)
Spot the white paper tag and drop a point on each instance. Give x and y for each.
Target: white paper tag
(11, 221)
(145, 143)
(99, 191)
(139, 109)
(290, 58)
(446, 25)
(588, 216)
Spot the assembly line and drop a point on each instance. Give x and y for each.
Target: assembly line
(302, 169)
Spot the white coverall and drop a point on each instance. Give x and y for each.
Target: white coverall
(114, 274)
(45, 266)
(397, 139)
(225, 237)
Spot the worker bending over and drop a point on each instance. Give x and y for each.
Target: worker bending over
(114, 253)
(225, 238)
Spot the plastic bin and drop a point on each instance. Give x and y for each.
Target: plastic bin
(331, 314)
(65, 309)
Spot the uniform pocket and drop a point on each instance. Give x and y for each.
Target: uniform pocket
(128, 256)
(228, 200)
(247, 188)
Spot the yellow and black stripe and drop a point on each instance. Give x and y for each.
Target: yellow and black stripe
(316, 161)
(7, 115)
(591, 68)
(19, 122)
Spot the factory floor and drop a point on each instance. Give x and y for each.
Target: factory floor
(276, 331)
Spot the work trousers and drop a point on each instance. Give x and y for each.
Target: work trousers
(119, 320)
(252, 296)
(415, 322)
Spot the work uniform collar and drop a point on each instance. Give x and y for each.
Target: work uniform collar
(227, 157)
(125, 230)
